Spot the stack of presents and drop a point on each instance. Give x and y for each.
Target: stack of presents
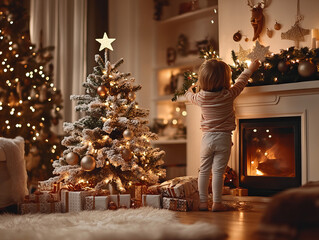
(178, 194)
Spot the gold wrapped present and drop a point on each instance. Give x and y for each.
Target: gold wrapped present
(176, 204)
(32, 207)
(140, 189)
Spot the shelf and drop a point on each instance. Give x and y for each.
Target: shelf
(170, 141)
(190, 15)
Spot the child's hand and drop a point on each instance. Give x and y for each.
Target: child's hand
(193, 86)
(254, 65)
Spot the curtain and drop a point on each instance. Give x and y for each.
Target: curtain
(63, 23)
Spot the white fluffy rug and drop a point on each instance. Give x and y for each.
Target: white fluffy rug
(143, 223)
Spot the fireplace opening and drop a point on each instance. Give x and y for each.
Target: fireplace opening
(270, 154)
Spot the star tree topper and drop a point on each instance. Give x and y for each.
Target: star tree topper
(105, 42)
(259, 52)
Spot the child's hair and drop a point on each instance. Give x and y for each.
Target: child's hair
(214, 75)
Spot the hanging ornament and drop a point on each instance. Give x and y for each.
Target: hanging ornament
(306, 69)
(72, 158)
(242, 54)
(237, 36)
(128, 134)
(127, 154)
(269, 33)
(131, 96)
(257, 17)
(296, 33)
(246, 39)
(277, 26)
(259, 52)
(102, 91)
(88, 163)
(283, 66)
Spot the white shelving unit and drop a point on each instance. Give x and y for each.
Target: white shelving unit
(196, 26)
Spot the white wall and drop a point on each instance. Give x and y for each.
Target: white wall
(131, 23)
(235, 15)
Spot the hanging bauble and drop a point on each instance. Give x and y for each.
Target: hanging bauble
(102, 90)
(128, 134)
(88, 163)
(269, 33)
(246, 39)
(283, 66)
(237, 36)
(306, 69)
(277, 26)
(72, 158)
(127, 154)
(131, 96)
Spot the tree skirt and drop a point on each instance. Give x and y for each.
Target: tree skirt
(143, 223)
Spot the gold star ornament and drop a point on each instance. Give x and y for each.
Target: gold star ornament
(259, 52)
(242, 54)
(105, 42)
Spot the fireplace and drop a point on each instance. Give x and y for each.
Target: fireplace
(269, 154)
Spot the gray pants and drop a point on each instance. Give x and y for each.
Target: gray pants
(214, 154)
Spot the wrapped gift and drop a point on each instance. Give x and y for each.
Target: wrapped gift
(96, 203)
(151, 201)
(176, 204)
(39, 196)
(239, 192)
(53, 207)
(32, 207)
(73, 201)
(180, 187)
(121, 200)
(140, 189)
(226, 190)
(154, 189)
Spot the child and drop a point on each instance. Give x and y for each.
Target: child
(216, 99)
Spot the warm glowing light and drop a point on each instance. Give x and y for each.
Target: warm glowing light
(184, 113)
(174, 121)
(270, 136)
(259, 172)
(248, 62)
(177, 109)
(255, 130)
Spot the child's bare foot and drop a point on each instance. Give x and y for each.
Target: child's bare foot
(203, 206)
(221, 207)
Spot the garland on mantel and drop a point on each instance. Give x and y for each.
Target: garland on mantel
(288, 66)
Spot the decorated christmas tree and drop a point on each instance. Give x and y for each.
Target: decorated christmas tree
(110, 145)
(29, 102)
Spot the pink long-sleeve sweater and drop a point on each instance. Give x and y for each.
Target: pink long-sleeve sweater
(217, 107)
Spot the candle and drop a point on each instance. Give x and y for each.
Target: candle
(314, 37)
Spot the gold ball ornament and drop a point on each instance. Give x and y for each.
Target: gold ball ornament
(88, 163)
(102, 91)
(72, 158)
(131, 96)
(127, 154)
(306, 69)
(128, 134)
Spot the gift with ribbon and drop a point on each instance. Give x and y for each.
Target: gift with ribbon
(74, 201)
(180, 187)
(140, 189)
(176, 204)
(96, 203)
(151, 201)
(53, 206)
(32, 207)
(121, 200)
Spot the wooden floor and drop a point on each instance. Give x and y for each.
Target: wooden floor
(239, 225)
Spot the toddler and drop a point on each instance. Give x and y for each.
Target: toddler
(216, 99)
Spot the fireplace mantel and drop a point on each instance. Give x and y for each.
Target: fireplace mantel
(282, 100)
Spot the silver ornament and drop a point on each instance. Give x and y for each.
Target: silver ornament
(127, 154)
(131, 96)
(128, 134)
(88, 163)
(72, 158)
